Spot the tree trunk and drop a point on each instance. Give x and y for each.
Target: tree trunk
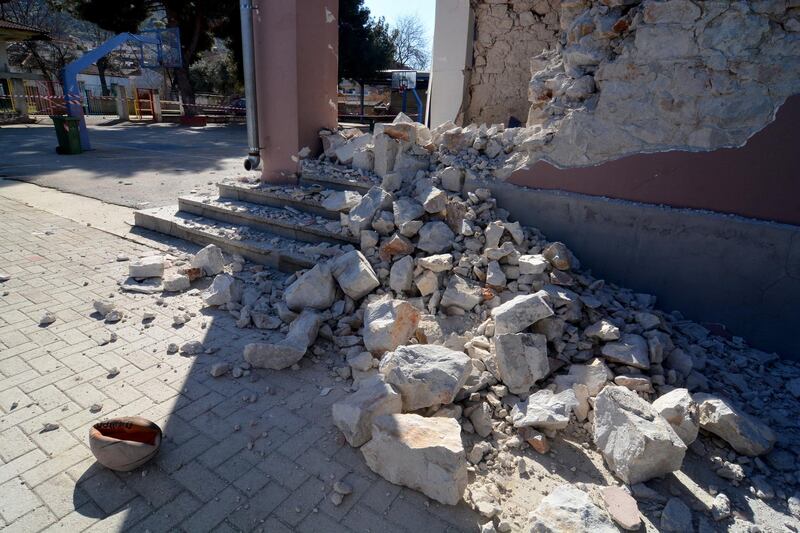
(102, 65)
(186, 90)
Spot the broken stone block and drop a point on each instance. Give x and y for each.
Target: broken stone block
(288, 351)
(177, 283)
(433, 199)
(361, 361)
(392, 181)
(103, 307)
(388, 324)
(603, 330)
(634, 382)
(630, 349)
(558, 255)
(681, 411)
(520, 312)
(745, 434)
(493, 232)
(345, 152)
(595, 375)
(462, 293)
(47, 318)
(406, 211)
(427, 282)
(636, 442)
(396, 245)
(425, 454)
(315, 289)
(408, 162)
(147, 267)
(436, 263)
(369, 240)
(676, 517)
(220, 291)
(435, 237)
(521, 360)
(568, 509)
(354, 274)
(385, 153)
(425, 374)
(545, 410)
(401, 275)
(354, 414)
(452, 179)
(341, 201)
(360, 216)
(383, 223)
(622, 507)
(219, 369)
(481, 419)
(532, 264)
(495, 276)
(209, 259)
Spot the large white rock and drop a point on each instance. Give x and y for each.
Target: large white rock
(680, 410)
(637, 443)
(425, 454)
(545, 410)
(452, 179)
(354, 414)
(176, 282)
(354, 274)
(595, 375)
(385, 152)
(744, 433)
(147, 267)
(344, 153)
(630, 349)
(220, 291)
(462, 293)
(288, 351)
(342, 201)
(435, 237)
(520, 312)
(401, 275)
(603, 330)
(360, 216)
(315, 289)
(521, 360)
(425, 374)
(433, 199)
(209, 259)
(532, 264)
(567, 509)
(388, 324)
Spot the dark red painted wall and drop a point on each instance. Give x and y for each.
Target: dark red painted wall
(759, 180)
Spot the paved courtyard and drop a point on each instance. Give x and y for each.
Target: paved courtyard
(227, 463)
(130, 164)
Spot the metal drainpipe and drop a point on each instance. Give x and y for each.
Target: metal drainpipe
(254, 153)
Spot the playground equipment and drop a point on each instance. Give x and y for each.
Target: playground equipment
(404, 81)
(157, 48)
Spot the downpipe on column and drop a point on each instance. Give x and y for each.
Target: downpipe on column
(254, 153)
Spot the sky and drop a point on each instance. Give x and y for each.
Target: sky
(392, 9)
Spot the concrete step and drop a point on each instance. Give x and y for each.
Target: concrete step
(306, 199)
(299, 226)
(275, 251)
(344, 181)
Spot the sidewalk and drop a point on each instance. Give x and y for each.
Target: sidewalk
(274, 473)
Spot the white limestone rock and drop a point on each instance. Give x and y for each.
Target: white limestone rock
(521, 360)
(559, 256)
(425, 454)
(291, 349)
(401, 275)
(385, 153)
(220, 291)
(532, 264)
(354, 274)
(603, 330)
(452, 179)
(545, 410)
(177, 283)
(341, 201)
(435, 237)
(360, 215)
(314, 289)
(147, 267)
(595, 375)
(681, 411)
(364, 159)
(520, 312)
(567, 509)
(637, 443)
(104, 307)
(746, 434)
(388, 324)
(462, 293)
(630, 349)
(354, 414)
(436, 263)
(209, 259)
(345, 152)
(425, 374)
(433, 199)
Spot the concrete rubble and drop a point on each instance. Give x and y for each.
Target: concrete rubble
(469, 349)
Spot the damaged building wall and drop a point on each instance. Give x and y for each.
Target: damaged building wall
(633, 77)
(507, 35)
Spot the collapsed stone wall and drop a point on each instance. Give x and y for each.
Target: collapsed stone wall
(635, 76)
(507, 34)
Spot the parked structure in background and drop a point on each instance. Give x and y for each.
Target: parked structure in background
(13, 104)
(382, 101)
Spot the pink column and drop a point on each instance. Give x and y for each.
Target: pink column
(296, 57)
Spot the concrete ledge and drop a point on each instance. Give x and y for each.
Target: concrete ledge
(256, 195)
(726, 269)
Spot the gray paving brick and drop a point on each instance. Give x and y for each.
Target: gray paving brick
(207, 518)
(261, 504)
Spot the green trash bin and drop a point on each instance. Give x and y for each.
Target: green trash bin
(68, 134)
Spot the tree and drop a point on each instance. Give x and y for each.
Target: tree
(410, 43)
(365, 46)
(197, 20)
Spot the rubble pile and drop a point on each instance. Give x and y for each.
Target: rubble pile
(465, 339)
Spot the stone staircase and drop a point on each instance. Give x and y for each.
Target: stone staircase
(283, 227)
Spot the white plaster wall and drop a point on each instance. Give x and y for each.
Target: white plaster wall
(452, 57)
